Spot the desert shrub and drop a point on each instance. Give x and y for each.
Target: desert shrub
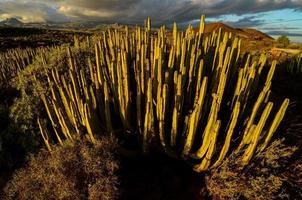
(16, 135)
(261, 179)
(295, 46)
(78, 170)
(13, 143)
(23, 111)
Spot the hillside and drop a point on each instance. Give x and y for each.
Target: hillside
(76, 25)
(252, 40)
(257, 33)
(18, 37)
(11, 22)
(245, 33)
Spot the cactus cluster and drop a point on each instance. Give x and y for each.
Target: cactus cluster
(13, 61)
(193, 96)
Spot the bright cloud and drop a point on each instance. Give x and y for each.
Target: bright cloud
(136, 10)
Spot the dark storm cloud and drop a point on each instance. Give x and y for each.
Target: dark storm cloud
(250, 21)
(107, 4)
(290, 34)
(278, 28)
(129, 11)
(135, 11)
(241, 7)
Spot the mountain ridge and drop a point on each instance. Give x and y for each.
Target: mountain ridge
(245, 33)
(11, 22)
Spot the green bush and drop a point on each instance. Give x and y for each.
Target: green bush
(283, 41)
(76, 171)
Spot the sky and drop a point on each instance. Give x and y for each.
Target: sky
(275, 17)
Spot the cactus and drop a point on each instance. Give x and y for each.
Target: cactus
(295, 66)
(15, 60)
(44, 135)
(229, 134)
(191, 97)
(256, 134)
(276, 122)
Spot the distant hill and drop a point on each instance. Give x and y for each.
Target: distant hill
(210, 27)
(257, 33)
(245, 33)
(80, 25)
(11, 22)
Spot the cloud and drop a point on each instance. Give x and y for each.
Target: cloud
(290, 34)
(30, 11)
(167, 11)
(278, 28)
(241, 7)
(135, 11)
(246, 22)
(127, 11)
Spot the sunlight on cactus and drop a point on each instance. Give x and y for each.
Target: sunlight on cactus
(14, 61)
(195, 97)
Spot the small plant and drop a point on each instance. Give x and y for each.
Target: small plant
(76, 171)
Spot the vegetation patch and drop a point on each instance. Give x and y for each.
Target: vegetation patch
(77, 171)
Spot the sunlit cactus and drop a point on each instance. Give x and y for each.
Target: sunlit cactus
(195, 97)
(13, 61)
